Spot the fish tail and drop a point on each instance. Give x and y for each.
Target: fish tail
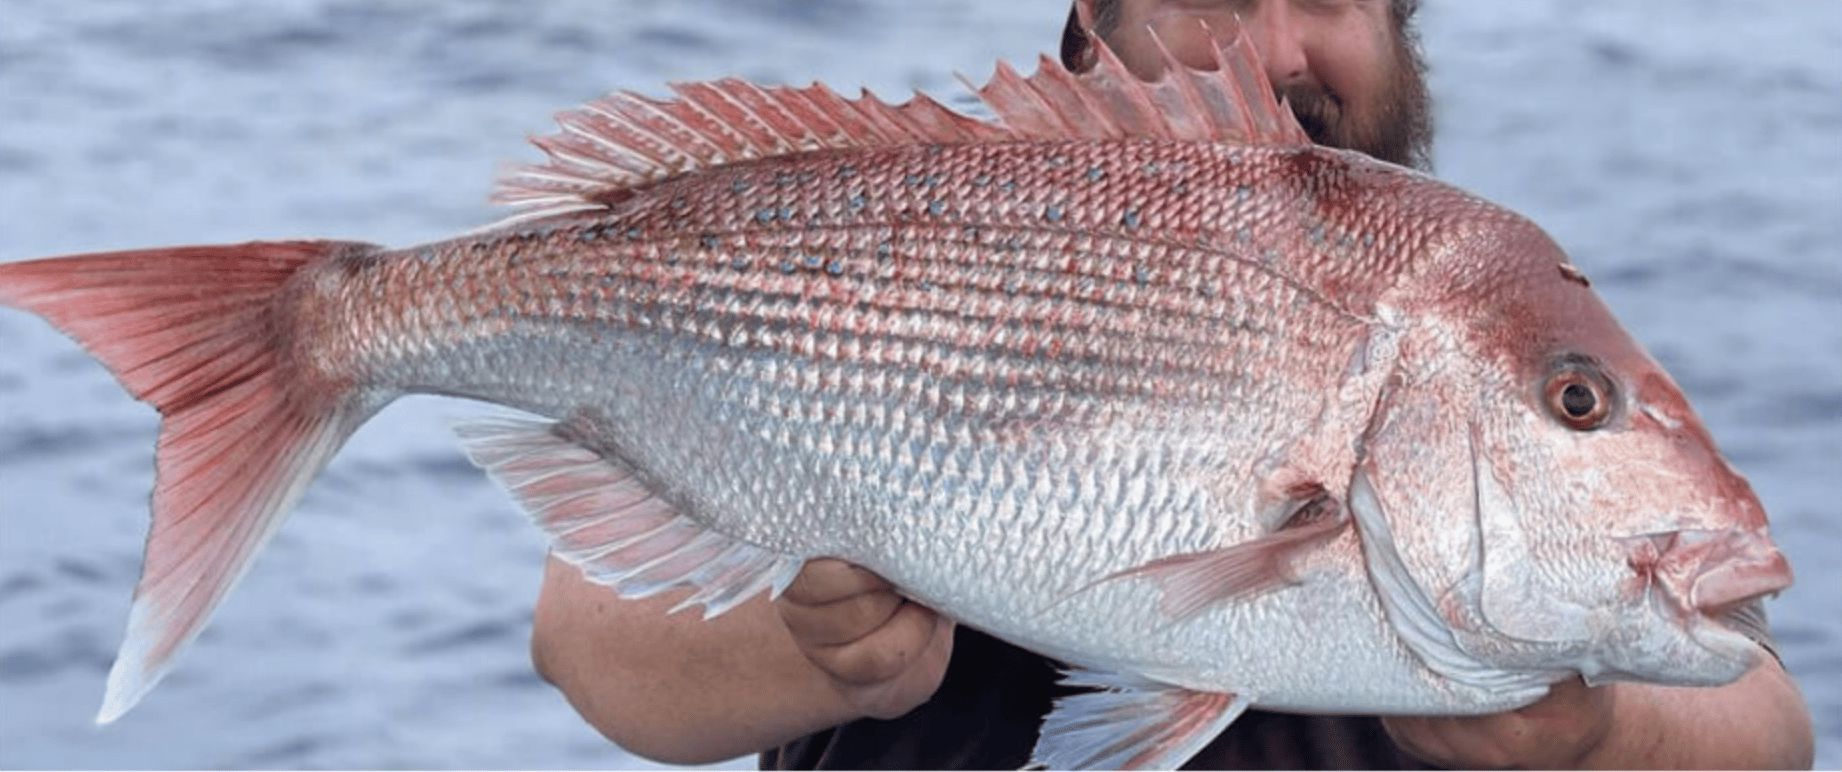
(199, 333)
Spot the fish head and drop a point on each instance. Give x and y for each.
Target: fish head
(1607, 536)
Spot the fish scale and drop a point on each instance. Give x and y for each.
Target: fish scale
(956, 285)
(1128, 345)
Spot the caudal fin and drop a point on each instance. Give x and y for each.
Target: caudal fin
(195, 331)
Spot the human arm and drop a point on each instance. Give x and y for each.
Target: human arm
(838, 645)
(1757, 722)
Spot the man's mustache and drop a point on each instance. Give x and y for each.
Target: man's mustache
(1318, 111)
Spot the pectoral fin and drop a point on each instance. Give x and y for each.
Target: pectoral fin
(1195, 581)
(1131, 723)
(603, 519)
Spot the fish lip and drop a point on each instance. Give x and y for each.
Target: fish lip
(1721, 588)
(1711, 572)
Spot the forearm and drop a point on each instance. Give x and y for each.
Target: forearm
(677, 688)
(1758, 722)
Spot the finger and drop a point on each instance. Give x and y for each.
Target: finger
(1552, 732)
(839, 622)
(827, 580)
(1564, 697)
(916, 684)
(1423, 737)
(883, 655)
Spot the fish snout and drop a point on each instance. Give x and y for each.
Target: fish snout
(1710, 571)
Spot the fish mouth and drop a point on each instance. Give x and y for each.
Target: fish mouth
(1711, 572)
(1721, 589)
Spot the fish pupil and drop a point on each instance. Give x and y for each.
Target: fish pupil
(1578, 400)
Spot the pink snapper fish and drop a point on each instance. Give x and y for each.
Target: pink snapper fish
(1133, 376)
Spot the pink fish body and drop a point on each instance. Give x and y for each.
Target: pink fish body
(1133, 376)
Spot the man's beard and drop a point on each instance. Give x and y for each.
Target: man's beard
(1399, 131)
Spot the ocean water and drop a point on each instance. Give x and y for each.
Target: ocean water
(1684, 152)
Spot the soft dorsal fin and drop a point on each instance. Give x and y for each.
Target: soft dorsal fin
(627, 139)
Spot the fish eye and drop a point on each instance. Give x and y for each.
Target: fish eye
(1578, 399)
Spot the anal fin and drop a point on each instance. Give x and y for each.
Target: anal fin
(1131, 723)
(602, 518)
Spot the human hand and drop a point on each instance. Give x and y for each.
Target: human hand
(883, 654)
(1560, 731)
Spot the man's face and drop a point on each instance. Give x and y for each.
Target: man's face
(1339, 63)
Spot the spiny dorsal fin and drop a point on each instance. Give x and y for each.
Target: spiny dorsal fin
(1230, 102)
(627, 139)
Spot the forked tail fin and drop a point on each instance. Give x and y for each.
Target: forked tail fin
(195, 331)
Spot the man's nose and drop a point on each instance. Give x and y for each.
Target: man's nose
(1280, 38)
